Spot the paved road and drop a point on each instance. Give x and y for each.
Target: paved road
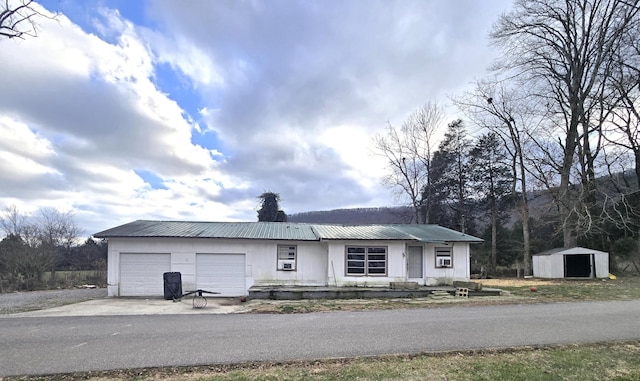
(47, 345)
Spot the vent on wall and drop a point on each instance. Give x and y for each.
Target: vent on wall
(444, 262)
(286, 265)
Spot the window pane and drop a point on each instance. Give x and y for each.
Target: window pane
(366, 260)
(287, 252)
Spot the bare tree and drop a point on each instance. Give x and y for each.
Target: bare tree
(564, 52)
(511, 115)
(34, 245)
(408, 151)
(12, 221)
(17, 18)
(57, 233)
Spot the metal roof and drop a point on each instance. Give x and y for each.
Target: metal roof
(183, 229)
(570, 251)
(436, 233)
(359, 232)
(286, 231)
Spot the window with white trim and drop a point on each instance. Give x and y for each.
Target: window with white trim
(444, 257)
(287, 255)
(366, 260)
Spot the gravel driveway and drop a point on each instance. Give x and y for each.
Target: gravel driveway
(36, 300)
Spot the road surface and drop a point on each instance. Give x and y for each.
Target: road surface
(48, 345)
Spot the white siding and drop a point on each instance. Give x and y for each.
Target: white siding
(460, 271)
(260, 260)
(602, 265)
(318, 263)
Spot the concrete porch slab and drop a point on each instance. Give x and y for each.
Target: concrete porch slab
(317, 292)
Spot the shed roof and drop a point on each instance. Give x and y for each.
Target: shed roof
(571, 251)
(285, 231)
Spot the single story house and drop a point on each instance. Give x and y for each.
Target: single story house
(575, 262)
(231, 257)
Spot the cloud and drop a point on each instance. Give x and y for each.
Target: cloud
(104, 119)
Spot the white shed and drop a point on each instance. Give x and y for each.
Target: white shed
(575, 262)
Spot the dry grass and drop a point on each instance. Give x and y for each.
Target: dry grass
(614, 361)
(517, 290)
(518, 282)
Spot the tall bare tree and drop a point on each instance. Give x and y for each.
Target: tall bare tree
(408, 150)
(510, 114)
(564, 52)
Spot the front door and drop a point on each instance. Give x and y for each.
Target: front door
(414, 262)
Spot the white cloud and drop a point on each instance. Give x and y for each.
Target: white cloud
(290, 94)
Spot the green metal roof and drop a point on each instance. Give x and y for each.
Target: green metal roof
(183, 229)
(286, 231)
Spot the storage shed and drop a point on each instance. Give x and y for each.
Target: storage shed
(576, 262)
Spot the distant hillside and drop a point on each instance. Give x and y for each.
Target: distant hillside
(383, 215)
(540, 204)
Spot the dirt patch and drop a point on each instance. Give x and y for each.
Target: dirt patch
(518, 282)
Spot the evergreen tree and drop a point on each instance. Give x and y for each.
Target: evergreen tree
(491, 181)
(270, 209)
(450, 168)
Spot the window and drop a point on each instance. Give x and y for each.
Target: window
(287, 257)
(444, 257)
(363, 260)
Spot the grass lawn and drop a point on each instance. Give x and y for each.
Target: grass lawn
(517, 290)
(606, 361)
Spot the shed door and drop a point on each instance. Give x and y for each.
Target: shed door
(414, 262)
(578, 266)
(141, 274)
(223, 273)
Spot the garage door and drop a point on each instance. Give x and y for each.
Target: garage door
(141, 274)
(223, 273)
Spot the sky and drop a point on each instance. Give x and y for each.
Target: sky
(170, 110)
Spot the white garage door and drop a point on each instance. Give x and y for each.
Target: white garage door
(142, 274)
(223, 273)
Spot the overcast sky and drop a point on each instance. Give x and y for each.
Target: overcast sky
(123, 110)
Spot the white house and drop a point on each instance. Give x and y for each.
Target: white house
(231, 257)
(575, 262)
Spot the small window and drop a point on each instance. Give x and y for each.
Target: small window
(287, 255)
(366, 260)
(444, 257)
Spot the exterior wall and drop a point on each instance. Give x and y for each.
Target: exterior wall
(548, 266)
(317, 264)
(460, 271)
(397, 264)
(260, 259)
(602, 265)
(396, 267)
